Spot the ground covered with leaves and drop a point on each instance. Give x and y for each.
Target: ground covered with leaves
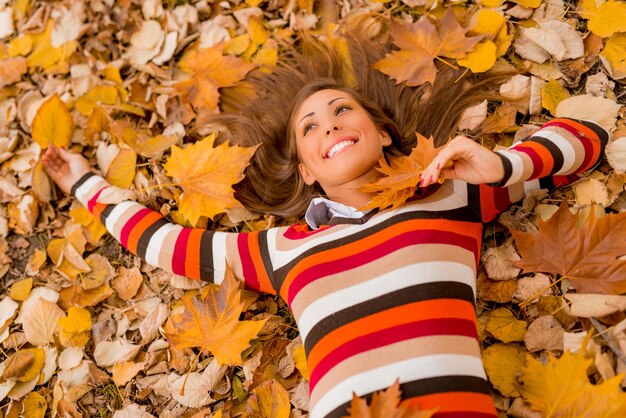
(87, 329)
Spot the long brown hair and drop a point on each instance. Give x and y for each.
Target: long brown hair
(272, 183)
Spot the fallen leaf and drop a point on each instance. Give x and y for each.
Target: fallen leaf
(420, 43)
(124, 372)
(11, 70)
(616, 154)
(612, 56)
(590, 305)
(473, 116)
(206, 175)
(212, 324)
(600, 110)
(561, 388)
(211, 70)
(504, 326)
(34, 406)
(21, 289)
(500, 261)
(587, 256)
(552, 94)
(500, 291)
(401, 175)
(544, 333)
(24, 365)
(608, 19)
(109, 353)
(75, 328)
(53, 123)
(41, 322)
(269, 399)
(503, 363)
(386, 403)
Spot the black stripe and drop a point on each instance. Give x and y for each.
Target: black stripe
(602, 133)
(429, 386)
(546, 183)
(80, 182)
(416, 293)
(144, 239)
(105, 213)
(207, 268)
(508, 171)
(460, 214)
(265, 256)
(553, 149)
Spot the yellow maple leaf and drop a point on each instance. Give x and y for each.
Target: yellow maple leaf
(211, 323)
(211, 70)
(552, 94)
(401, 175)
(561, 388)
(53, 123)
(386, 404)
(48, 57)
(420, 43)
(613, 54)
(503, 363)
(206, 175)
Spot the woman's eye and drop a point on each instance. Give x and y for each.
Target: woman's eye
(307, 128)
(342, 108)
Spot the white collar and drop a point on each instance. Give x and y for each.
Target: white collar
(321, 210)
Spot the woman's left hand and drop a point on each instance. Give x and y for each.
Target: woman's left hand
(465, 160)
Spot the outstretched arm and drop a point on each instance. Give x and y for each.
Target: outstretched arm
(190, 252)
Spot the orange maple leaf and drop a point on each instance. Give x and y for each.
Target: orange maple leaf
(561, 388)
(401, 175)
(211, 322)
(211, 70)
(385, 404)
(586, 256)
(206, 175)
(420, 43)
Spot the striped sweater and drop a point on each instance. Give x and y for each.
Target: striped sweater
(389, 297)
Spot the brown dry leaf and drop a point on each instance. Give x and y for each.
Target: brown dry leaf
(53, 123)
(77, 296)
(588, 256)
(561, 388)
(401, 176)
(386, 403)
(212, 324)
(125, 371)
(268, 400)
(127, 282)
(11, 70)
(503, 363)
(24, 365)
(501, 120)
(500, 291)
(420, 43)
(544, 333)
(41, 322)
(206, 175)
(211, 70)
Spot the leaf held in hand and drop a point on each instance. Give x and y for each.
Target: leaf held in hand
(588, 256)
(206, 175)
(53, 123)
(212, 323)
(401, 175)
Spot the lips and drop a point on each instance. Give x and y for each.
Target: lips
(338, 145)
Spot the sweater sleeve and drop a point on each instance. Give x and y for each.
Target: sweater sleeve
(551, 157)
(192, 252)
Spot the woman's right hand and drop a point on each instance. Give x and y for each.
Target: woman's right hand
(63, 167)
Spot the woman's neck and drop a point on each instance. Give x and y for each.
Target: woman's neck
(349, 193)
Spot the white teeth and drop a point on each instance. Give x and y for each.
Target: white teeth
(338, 147)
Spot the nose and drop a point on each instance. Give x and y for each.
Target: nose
(334, 129)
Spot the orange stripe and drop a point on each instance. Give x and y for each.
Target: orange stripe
(417, 311)
(371, 241)
(255, 254)
(140, 228)
(455, 402)
(589, 134)
(97, 210)
(192, 255)
(546, 157)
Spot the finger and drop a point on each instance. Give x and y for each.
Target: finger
(449, 173)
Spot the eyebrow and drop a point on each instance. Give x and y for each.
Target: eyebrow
(327, 104)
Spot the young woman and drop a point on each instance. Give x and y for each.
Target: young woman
(377, 295)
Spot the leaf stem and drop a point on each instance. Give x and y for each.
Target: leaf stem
(195, 360)
(454, 67)
(530, 299)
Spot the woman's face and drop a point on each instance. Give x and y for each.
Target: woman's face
(337, 140)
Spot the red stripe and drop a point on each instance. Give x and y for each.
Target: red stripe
(589, 159)
(591, 152)
(180, 252)
(385, 337)
(249, 272)
(536, 159)
(128, 226)
(92, 202)
(299, 231)
(427, 236)
(501, 198)
(463, 414)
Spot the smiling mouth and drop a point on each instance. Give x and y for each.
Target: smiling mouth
(339, 147)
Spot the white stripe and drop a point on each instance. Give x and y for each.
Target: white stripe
(85, 189)
(155, 246)
(124, 208)
(457, 200)
(414, 274)
(530, 186)
(407, 370)
(569, 153)
(517, 166)
(219, 256)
